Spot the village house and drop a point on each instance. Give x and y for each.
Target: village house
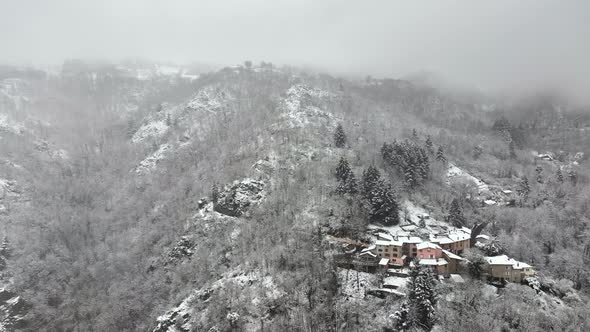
(454, 265)
(428, 250)
(455, 241)
(397, 249)
(436, 265)
(503, 268)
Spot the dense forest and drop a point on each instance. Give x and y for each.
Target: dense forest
(134, 199)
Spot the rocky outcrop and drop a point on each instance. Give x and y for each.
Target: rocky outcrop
(12, 311)
(236, 198)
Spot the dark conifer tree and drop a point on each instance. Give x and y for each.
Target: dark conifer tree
(343, 169)
(511, 149)
(348, 185)
(339, 137)
(477, 151)
(214, 193)
(414, 135)
(383, 205)
(440, 155)
(371, 177)
(523, 188)
(429, 146)
(421, 298)
(559, 175)
(573, 176)
(539, 171)
(456, 217)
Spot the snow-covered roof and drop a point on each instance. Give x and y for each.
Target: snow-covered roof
(456, 278)
(433, 262)
(410, 239)
(450, 255)
(384, 261)
(388, 243)
(520, 265)
(369, 248)
(451, 236)
(368, 253)
(507, 192)
(499, 260)
(395, 281)
(483, 236)
(385, 236)
(490, 202)
(426, 245)
(505, 260)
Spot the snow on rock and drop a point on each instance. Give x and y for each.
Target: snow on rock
(7, 125)
(303, 107)
(190, 314)
(8, 188)
(152, 129)
(60, 154)
(210, 99)
(149, 163)
(12, 311)
(235, 199)
(455, 173)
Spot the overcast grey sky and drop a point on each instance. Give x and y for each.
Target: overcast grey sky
(483, 44)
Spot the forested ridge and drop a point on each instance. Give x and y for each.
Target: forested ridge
(230, 200)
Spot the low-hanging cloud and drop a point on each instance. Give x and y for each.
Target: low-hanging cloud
(490, 45)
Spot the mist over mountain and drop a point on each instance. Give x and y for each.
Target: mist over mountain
(294, 166)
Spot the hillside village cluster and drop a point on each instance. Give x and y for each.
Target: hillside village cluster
(436, 245)
(440, 251)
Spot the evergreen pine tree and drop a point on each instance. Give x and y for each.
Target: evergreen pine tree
(343, 169)
(348, 185)
(371, 177)
(523, 188)
(5, 248)
(477, 151)
(383, 205)
(421, 298)
(456, 217)
(539, 171)
(339, 137)
(511, 149)
(440, 155)
(214, 193)
(414, 135)
(573, 176)
(559, 175)
(428, 144)
(402, 318)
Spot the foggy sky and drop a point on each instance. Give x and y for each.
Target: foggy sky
(507, 45)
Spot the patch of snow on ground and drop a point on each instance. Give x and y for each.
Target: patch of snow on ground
(455, 172)
(354, 284)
